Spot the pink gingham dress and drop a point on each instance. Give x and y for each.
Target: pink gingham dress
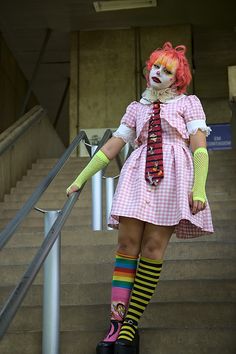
(167, 203)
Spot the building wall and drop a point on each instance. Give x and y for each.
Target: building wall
(13, 86)
(110, 66)
(108, 73)
(214, 49)
(108, 69)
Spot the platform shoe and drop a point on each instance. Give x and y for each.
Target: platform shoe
(104, 347)
(123, 346)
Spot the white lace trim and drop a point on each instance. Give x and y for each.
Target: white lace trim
(194, 125)
(126, 133)
(151, 95)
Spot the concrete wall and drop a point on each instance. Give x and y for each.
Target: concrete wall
(214, 49)
(106, 76)
(39, 141)
(108, 65)
(108, 69)
(13, 86)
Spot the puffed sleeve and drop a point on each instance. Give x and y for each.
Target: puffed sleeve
(194, 116)
(127, 128)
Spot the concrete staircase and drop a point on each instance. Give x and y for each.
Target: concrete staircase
(194, 308)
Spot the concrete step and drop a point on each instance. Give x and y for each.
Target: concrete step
(153, 341)
(195, 300)
(226, 154)
(70, 171)
(56, 198)
(78, 209)
(168, 291)
(83, 217)
(157, 315)
(26, 188)
(9, 209)
(26, 237)
(82, 236)
(52, 198)
(105, 253)
(87, 224)
(51, 194)
(224, 231)
(58, 194)
(214, 155)
(71, 166)
(13, 206)
(67, 178)
(101, 272)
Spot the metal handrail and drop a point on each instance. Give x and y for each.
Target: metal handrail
(18, 131)
(11, 227)
(15, 299)
(18, 294)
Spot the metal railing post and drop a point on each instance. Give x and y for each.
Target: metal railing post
(109, 197)
(126, 151)
(13, 302)
(96, 198)
(51, 291)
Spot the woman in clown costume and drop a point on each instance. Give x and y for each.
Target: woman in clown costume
(161, 189)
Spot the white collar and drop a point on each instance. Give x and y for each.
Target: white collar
(167, 95)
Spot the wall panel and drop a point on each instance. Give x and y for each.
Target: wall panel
(13, 86)
(107, 82)
(107, 69)
(214, 51)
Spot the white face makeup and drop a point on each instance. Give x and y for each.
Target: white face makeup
(160, 77)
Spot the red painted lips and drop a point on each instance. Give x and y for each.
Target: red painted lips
(155, 79)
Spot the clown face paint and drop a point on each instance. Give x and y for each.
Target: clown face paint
(160, 77)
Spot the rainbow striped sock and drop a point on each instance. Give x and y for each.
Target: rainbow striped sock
(122, 284)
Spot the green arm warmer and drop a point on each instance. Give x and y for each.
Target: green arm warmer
(97, 163)
(200, 161)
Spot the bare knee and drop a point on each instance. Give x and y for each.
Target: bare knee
(129, 245)
(155, 241)
(152, 248)
(130, 236)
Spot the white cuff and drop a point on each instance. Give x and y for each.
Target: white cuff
(194, 125)
(126, 133)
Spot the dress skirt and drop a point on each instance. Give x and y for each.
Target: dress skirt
(167, 203)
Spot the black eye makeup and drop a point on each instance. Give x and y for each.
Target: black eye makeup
(168, 72)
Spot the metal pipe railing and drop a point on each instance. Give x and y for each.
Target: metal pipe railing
(11, 227)
(18, 294)
(96, 198)
(15, 299)
(51, 290)
(110, 187)
(18, 131)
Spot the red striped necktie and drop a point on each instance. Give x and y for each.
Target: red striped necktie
(154, 161)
